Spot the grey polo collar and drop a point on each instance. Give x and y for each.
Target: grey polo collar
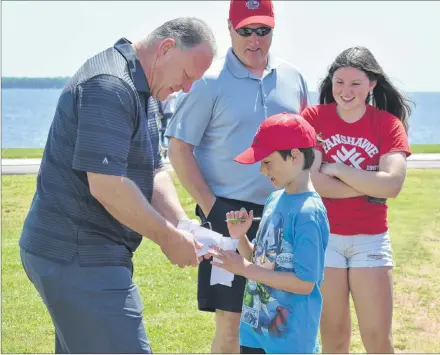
(240, 71)
(138, 76)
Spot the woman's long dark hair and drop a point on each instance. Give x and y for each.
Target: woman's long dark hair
(385, 95)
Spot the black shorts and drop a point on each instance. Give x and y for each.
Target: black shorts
(248, 350)
(223, 297)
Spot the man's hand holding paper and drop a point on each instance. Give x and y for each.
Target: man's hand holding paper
(208, 237)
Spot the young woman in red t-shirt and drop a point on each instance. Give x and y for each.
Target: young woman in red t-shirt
(360, 164)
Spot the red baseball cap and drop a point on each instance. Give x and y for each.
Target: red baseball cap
(283, 131)
(246, 12)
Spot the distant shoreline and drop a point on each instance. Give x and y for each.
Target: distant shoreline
(34, 83)
(12, 82)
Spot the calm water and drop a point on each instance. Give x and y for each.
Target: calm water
(28, 113)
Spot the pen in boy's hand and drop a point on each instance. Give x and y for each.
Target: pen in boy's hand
(236, 220)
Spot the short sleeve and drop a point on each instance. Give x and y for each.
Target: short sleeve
(106, 113)
(394, 137)
(310, 114)
(304, 94)
(193, 112)
(308, 251)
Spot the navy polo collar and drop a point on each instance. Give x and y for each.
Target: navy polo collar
(138, 76)
(239, 70)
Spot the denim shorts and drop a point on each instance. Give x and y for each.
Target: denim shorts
(360, 250)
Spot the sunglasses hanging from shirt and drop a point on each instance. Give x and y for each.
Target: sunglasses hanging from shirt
(260, 31)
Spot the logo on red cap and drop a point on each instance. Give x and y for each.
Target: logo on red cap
(243, 13)
(252, 5)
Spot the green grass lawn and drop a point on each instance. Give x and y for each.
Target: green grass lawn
(425, 148)
(21, 153)
(173, 323)
(16, 153)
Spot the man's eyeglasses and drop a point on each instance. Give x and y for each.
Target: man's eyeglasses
(260, 31)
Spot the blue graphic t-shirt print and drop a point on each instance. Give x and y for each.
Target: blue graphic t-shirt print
(261, 309)
(273, 319)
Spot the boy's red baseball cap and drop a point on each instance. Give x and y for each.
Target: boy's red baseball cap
(283, 131)
(246, 12)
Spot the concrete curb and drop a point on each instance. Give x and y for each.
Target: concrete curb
(31, 166)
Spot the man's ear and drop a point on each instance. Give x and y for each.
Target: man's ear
(229, 25)
(166, 45)
(295, 153)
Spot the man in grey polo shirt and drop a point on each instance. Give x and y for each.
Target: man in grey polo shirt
(101, 188)
(217, 120)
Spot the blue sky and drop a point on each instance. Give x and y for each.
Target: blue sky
(50, 38)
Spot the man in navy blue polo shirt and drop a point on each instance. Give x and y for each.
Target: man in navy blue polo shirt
(101, 188)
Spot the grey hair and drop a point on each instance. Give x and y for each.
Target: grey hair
(188, 32)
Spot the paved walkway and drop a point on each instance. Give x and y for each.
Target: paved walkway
(31, 166)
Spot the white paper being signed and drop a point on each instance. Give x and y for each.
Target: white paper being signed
(208, 237)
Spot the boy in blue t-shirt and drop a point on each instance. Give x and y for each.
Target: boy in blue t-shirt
(285, 264)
